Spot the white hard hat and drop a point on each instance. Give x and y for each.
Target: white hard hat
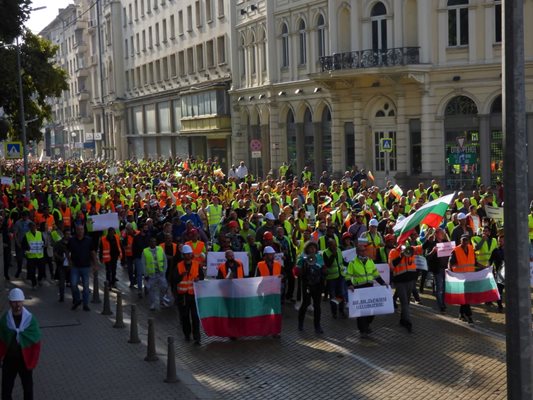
(16, 295)
(186, 249)
(461, 216)
(270, 216)
(269, 250)
(373, 222)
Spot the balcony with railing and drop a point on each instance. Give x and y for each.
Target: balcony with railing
(371, 58)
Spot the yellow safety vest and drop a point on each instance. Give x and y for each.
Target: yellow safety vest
(36, 245)
(151, 266)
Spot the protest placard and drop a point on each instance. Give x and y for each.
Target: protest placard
(215, 258)
(445, 249)
(102, 222)
(6, 180)
(375, 300)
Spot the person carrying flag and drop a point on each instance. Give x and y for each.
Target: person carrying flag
(20, 345)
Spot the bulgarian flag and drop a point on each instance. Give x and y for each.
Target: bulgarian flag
(470, 288)
(239, 307)
(28, 337)
(430, 214)
(397, 191)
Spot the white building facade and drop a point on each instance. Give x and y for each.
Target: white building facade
(321, 83)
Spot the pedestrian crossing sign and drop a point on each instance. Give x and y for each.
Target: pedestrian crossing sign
(386, 145)
(12, 150)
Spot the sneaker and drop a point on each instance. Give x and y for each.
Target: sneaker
(469, 320)
(86, 308)
(76, 305)
(462, 317)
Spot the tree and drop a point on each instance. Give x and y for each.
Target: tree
(42, 79)
(14, 14)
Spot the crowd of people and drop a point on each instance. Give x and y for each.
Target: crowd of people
(173, 212)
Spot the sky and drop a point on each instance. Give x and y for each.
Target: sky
(41, 18)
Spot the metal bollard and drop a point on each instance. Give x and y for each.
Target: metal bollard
(150, 348)
(119, 320)
(171, 362)
(134, 330)
(107, 307)
(96, 289)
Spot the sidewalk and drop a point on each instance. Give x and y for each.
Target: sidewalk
(84, 357)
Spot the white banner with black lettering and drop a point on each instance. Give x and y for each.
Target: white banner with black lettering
(375, 300)
(215, 258)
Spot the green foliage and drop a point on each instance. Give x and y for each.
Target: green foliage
(42, 79)
(14, 14)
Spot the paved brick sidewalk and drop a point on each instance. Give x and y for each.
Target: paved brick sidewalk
(442, 359)
(84, 357)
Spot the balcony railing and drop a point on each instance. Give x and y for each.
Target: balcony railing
(371, 59)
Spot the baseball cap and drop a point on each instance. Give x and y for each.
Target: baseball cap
(362, 240)
(16, 294)
(346, 235)
(233, 224)
(465, 236)
(186, 249)
(373, 222)
(270, 216)
(269, 250)
(461, 216)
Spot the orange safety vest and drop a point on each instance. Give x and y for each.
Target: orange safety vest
(264, 271)
(186, 284)
(240, 270)
(128, 249)
(407, 264)
(67, 217)
(197, 250)
(106, 249)
(174, 248)
(49, 221)
(465, 262)
(97, 207)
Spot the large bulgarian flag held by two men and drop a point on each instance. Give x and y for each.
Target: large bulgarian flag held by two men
(239, 307)
(430, 214)
(28, 336)
(470, 288)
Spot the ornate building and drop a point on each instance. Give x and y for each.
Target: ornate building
(321, 83)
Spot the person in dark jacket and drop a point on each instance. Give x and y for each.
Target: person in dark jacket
(140, 242)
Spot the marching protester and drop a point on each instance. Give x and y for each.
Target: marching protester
(497, 260)
(361, 273)
(20, 345)
(155, 267)
(189, 271)
(310, 269)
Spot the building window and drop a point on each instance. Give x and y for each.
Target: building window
(498, 22)
(164, 28)
(157, 71)
(263, 51)
(181, 63)
(416, 146)
(378, 17)
(243, 57)
(148, 6)
(210, 53)
(198, 12)
(200, 57)
(172, 28)
(124, 17)
(126, 52)
(173, 69)
(180, 22)
(190, 61)
(164, 68)
(253, 58)
(138, 43)
(321, 36)
(157, 34)
(457, 23)
(221, 49)
(284, 45)
(220, 8)
(302, 42)
(189, 18)
(136, 10)
(142, 8)
(144, 40)
(208, 11)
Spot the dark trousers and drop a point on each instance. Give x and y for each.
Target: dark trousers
(47, 261)
(64, 277)
(363, 323)
(290, 283)
(19, 254)
(188, 316)
(465, 310)
(35, 264)
(9, 374)
(310, 293)
(7, 260)
(500, 290)
(131, 270)
(335, 288)
(111, 271)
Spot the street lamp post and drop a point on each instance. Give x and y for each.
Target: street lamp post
(23, 123)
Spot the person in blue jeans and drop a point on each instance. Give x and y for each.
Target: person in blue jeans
(81, 255)
(437, 265)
